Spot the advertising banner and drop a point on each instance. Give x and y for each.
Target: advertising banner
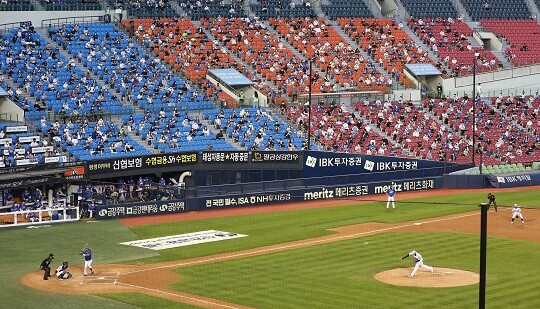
(518, 180)
(140, 209)
(319, 193)
(275, 156)
(321, 163)
(146, 161)
(225, 157)
(263, 198)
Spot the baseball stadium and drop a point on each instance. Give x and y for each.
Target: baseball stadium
(270, 154)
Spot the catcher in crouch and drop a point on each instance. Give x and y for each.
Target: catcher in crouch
(62, 272)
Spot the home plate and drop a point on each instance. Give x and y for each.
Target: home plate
(100, 278)
(418, 223)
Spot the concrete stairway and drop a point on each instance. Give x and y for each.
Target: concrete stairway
(535, 14)
(424, 46)
(500, 54)
(461, 10)
(373, 8)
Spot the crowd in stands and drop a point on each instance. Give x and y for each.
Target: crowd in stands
(264, 51)
(342, 64)
(141, 80)
(257, 129)
(188, 49)
(89, 140)
(448, 39)
(506, 131)
(387, 43)
(175, 132)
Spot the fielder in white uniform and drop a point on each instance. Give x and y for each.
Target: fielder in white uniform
(516, 213)
(419, 262)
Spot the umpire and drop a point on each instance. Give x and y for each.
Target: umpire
(491, 200)
(45, 266)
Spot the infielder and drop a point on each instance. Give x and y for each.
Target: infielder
(516, 213)
(62, 272)
(419, 262)
(87, 254)
(391, 193)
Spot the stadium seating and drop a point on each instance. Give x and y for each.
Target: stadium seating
(337, 129)
(448, 38)
(318, 40)
(430, 9)
(257, 129)
(71, 5)
(145, 8)
(500, 9)
(264, 52)
(127, 67)
(523, 36)
(266, 9)
(212, 9)
(343, 8)
(389, 45)
(13, 5)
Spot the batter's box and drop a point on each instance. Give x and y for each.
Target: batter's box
(101, 278)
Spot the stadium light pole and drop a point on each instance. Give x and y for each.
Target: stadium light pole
(309, 106)
(474, 110)
(483, 254)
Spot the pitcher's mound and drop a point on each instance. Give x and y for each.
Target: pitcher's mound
(440, 278)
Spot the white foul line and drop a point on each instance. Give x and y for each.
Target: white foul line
(178, 295)
(295, 245)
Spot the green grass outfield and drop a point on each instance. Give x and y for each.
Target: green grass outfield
(334, 275)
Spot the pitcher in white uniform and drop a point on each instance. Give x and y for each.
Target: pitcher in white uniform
(516, 213)
(419, 262)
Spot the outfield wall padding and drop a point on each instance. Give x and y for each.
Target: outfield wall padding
(262, 197)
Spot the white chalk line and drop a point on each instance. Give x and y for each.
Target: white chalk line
(178, 295)
(295, 245)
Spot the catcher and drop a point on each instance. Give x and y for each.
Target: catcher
(491, 200)
(62, 272)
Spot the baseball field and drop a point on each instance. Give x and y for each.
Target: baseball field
(318, 254)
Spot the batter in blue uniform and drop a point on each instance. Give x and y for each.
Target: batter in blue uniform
(87, 254)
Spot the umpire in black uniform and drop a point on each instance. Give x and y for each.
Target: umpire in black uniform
(45, 266)
(492, 201)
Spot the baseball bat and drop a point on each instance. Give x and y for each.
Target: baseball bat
(85, 246)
